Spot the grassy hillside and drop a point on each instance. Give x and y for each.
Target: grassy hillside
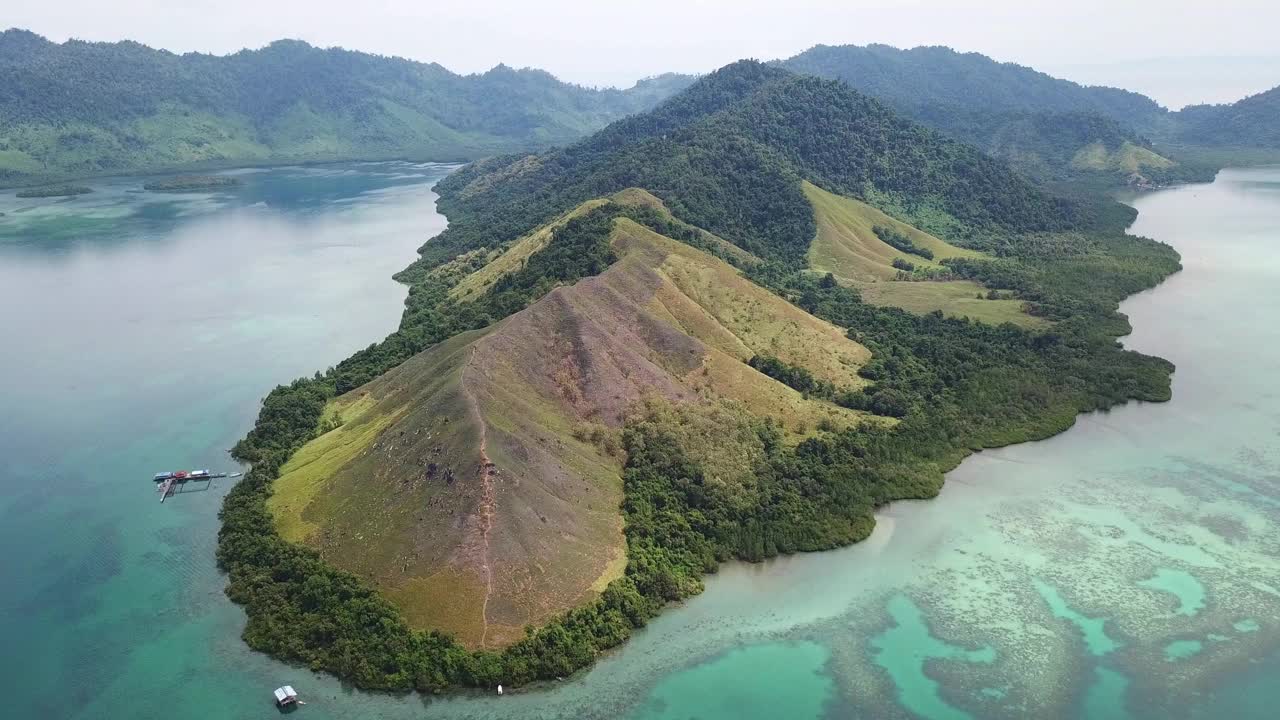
(1127, 158)
(847, 246)
(514, 257)
(80, 108)
(674, 345)
(477, 485)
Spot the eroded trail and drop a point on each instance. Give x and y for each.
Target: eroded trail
(487, 497)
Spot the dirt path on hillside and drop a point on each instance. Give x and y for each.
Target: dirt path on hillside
(488, 498)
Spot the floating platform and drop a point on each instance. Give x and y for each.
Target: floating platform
(166, 481)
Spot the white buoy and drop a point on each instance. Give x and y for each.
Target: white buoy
(499, 689)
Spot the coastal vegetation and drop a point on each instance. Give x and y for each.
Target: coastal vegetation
(656, 369)
(54, 191)
(192, 183)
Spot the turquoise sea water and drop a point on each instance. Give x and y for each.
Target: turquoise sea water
(139, 332)
(1128, 568)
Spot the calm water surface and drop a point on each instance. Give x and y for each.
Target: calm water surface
(1125, 569)
(139, 332)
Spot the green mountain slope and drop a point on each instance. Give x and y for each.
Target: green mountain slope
(666, 360)
(80, 108)
(1037, 123)
(921, 78)
(1040, 124)
(728, 153)
(1062, 148)
(1251, 122)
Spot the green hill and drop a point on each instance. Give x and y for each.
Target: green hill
(478, 484)
(1252, 122)
(619, 367)
(1064, 148)
(727, 155)
(1036, 123)
(1041, 125)
(920, 79)
(79, 108)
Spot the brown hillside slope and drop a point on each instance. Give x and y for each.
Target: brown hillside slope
(478, 485)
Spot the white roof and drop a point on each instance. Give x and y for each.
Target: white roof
(285, 692)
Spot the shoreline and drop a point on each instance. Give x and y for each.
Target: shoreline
(631, 672)
(1049, 426)
(222, 166)
(142, 580)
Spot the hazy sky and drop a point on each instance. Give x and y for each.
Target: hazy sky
(601, 42)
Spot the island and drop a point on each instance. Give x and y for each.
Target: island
(684, 340)
(54, 191)
(193, 184)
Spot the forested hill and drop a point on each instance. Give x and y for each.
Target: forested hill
(913, 80)
(1251, 122)
(728, 154)
(1047, 128)
(79, 108)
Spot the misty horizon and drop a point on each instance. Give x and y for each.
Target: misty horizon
(580, 44)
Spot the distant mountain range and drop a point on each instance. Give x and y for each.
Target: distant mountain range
(77, 109)
(1251, 122)
(1046, 127)
(922, 78)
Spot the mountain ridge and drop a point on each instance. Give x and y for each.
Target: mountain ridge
(772, 219)
(1250, 121)
(1033, 121)
(939, 75)
(81, 109)
(77, 108)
